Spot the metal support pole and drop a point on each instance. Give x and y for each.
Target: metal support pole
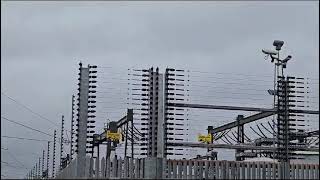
(72, 123)
(39, 175)
(61, 141)
(82, 120)
(126, 140)
(42, 167)
(54, 154)
(48, 157)
(36, 170)
(130, 115)
(240, 137)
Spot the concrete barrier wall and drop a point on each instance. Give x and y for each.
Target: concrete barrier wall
(157, 168)
(198, 169)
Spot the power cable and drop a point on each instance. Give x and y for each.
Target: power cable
(30, 110)
(15, 158)
(26, 126)
(12, 137)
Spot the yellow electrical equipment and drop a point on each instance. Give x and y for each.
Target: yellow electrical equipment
(205, 138)
(114, 136)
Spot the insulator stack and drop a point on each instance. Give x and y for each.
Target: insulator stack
(91, 107)
(39, 175)
(72, 130)
(54, 154)
(42, 164)
(61, 142)
(290, 124)
(175, 92)
(48, 158)
(139, 97)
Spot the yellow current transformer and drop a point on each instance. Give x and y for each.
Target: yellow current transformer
(205, 138)
(114, 136)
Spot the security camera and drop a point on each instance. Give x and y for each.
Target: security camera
(269, 52)
(287, 59)
(278, 44)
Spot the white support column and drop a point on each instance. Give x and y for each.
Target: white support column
(82, 123)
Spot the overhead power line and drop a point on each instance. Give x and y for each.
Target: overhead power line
(15, 159)
(30, 110)
(9, 165)
(26, 126)
(12, 137)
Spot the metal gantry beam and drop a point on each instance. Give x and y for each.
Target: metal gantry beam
(203, 106)
(241, 122)
(249, 146)
(239, 108)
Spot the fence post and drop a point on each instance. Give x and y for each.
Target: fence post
(190, 169)
(317, 171)
(179, 169)
(243, 172)
(210, 173)
(273, 170)
(313, 171)
(108, 168)
(206, 170)
(142, 175)
(254, 171)
(97, 167)
(302, 171)
(87, 164)
(120, 168)
(258, 171)
(103, 168)
(226, 172)
(296, 171)
(174, 169)
(307, 171)
(218, 164)
(200, 170)
(169, 168)
(248, 171)
(125, 167)
(114, 168)
(131, 168)
(223, 169)
(196, 169)
(185, 169)
(279, 170)
(293, 171)
(136, 169)
(237, 170)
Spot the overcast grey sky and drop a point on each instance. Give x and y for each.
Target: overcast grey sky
(42, 43)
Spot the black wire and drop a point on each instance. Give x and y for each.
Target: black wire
(256, 132)
(261, 131)
(15, 158)
(12, 137)
(266, 128)
(236, 79)
(26, 126)
(9, 165)
(30, 110)
(236, 74)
